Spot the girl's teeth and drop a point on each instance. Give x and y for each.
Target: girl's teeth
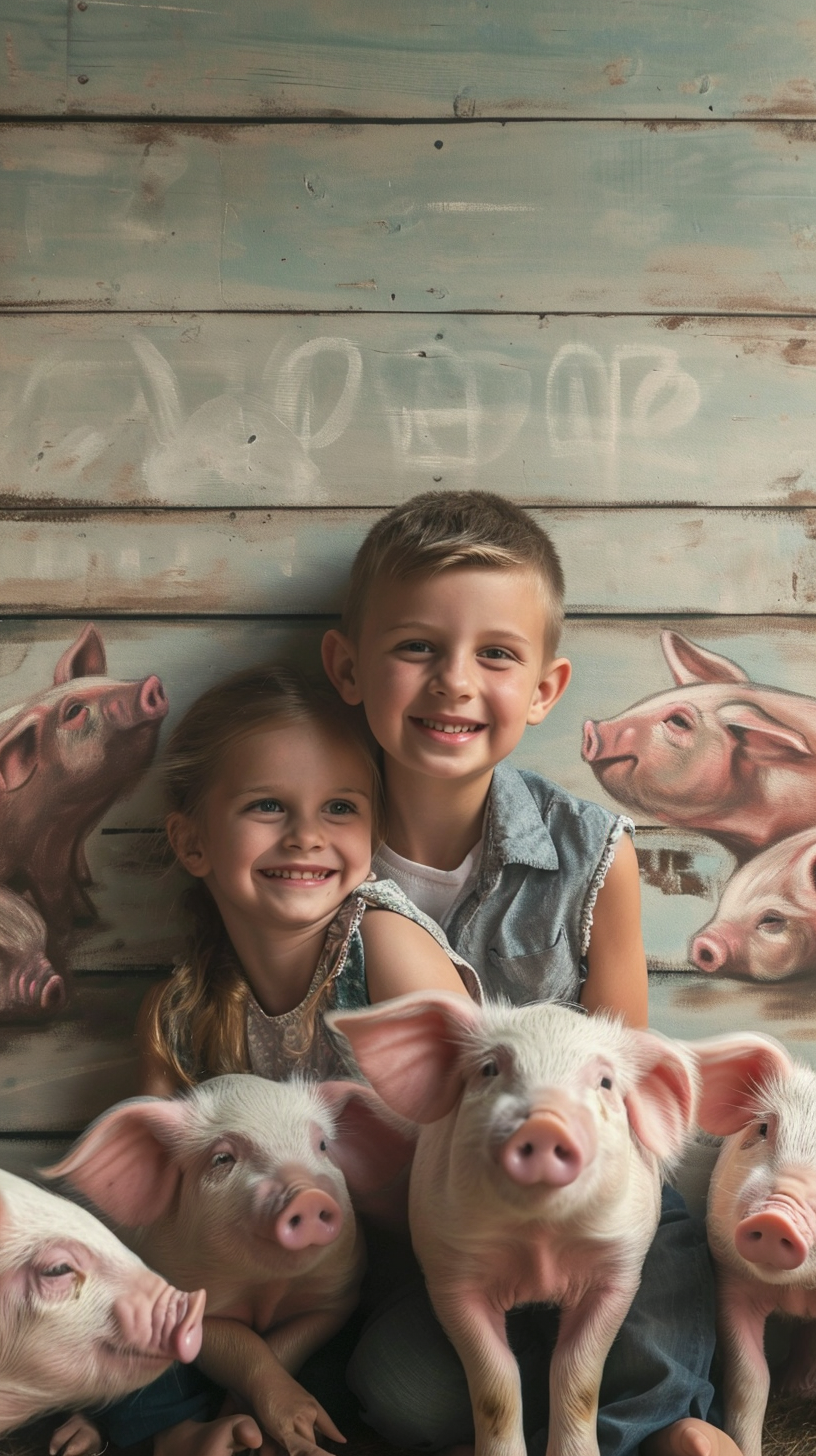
(449, 727)
(298, 874)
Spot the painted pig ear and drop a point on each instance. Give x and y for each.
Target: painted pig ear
(765, 737)
(123, 1162)
(20, 749)
(84, 658)
(691, 663)
(733, 1068)
(662, 1104)
(409, 1049)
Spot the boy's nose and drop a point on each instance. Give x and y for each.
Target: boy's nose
(454, 678)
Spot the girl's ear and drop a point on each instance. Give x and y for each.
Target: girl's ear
(186, 843)
(340, 665)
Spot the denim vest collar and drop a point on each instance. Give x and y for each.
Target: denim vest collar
(514, 830)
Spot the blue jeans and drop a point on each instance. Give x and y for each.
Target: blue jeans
(412, 1388)
(182, 1393)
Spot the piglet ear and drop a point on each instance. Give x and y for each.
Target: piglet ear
(373, 1148)
(663, 1102)
(733, 1069)
(124, 1163)
(84, 658)
(409, 1049)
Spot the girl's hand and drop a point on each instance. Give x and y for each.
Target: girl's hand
(76, 1437)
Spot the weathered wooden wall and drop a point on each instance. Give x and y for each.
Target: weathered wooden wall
(269, 268)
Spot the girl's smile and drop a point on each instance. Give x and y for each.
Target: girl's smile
(285, 834)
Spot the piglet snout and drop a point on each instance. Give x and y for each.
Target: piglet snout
(544, 1150)
(770, 1238)
(312, 1217)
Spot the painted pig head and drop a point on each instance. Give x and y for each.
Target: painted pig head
(717, 753)
(82, 1320)
(65, 756)
(765, 924)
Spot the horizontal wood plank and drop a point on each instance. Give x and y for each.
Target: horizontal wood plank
(226, 563)
(266, 410)
(26, 1155)
(34, 57)
(540, 216)
(439, 58)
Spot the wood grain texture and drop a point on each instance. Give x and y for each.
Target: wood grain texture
(436, 58)
(34, 57)
(272, 410)
(564, 216)
(241, 562)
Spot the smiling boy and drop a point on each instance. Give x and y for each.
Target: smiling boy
(449, 641)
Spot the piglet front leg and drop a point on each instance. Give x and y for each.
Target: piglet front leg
(585, 1334)
(746, 1376)
(477, 1331)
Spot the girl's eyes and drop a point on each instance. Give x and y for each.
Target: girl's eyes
(341, 806)
(266, 806)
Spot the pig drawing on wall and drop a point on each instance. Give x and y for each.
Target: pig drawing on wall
(735, 760)
(66, 755)
(765, 923)
(718, 753)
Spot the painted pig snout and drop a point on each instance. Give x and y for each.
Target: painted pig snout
(709, 951)
(769, 1237)
(545, 1150)
(312, 1217)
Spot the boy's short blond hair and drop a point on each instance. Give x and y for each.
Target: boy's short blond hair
(445, 529)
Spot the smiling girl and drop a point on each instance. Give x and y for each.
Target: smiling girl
(275, 808)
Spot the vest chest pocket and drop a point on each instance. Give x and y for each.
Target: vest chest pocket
(550, 973)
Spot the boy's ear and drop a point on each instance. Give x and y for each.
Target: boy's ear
(185, 841)
(340, 665)
(552, 686)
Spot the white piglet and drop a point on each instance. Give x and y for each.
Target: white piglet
(82, 1320)
(240, 1185)
(761, 1217)
(536, 1178)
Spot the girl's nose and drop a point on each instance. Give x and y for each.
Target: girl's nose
(304, 832)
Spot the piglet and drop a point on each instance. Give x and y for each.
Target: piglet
(82, 1320)
(765, 924)
(240, 1185)
(28, 981)
(761, 1215)
(528, 1184)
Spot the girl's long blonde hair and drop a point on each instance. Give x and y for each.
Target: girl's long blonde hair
(196, 1024)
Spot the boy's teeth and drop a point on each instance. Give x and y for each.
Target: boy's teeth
(449, 727)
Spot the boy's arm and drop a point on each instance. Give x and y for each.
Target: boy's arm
(400, 956)
(154, 1078)
(617, 979)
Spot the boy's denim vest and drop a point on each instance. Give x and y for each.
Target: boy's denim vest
(525, 926)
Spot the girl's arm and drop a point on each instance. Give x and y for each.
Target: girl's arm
(617, 979)
(400, 956)
(154, 1077)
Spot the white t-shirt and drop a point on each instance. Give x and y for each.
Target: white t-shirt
(436, 892)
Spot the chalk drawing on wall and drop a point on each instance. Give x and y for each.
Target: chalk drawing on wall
(66, 755)
(732, 759)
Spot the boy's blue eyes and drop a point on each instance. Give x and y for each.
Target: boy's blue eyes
(494, 654)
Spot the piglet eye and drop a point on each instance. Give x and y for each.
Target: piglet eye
(490, 1069)
(323, 1147)
(55, 1271)
(763, 1129)
(222, 1160)
(607, 1083)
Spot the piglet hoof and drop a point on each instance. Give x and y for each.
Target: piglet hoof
(77, 1437)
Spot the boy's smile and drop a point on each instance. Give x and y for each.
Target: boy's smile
(451, 668)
